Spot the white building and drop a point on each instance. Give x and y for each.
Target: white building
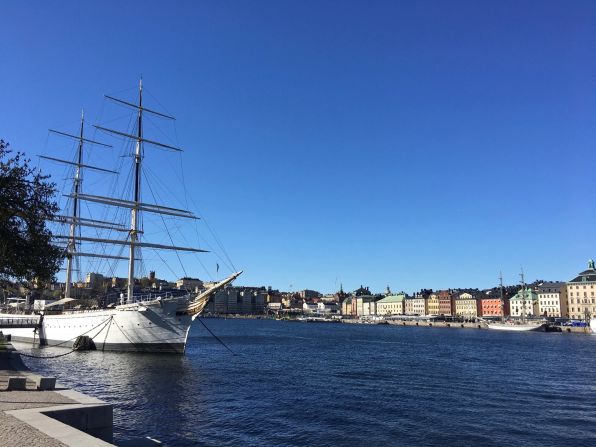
(552, 299)
(309, 308)
(524, 304)
(327, 308)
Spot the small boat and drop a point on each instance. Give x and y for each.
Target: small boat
(593, 325)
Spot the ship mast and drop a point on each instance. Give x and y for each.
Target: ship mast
(71, 243)
(135, 205)
(74, 220)
(135, 209)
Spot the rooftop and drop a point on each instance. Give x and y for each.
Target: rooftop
(588, 275)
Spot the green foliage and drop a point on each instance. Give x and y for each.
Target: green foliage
(26, 203)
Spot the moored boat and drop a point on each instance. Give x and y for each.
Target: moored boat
(158, 323)
(517, 327)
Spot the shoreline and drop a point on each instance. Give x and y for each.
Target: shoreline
(419, 323)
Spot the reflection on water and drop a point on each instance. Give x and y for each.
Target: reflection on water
(330, 384)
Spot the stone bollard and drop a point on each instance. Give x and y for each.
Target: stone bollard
(45, 383)
(17, 384)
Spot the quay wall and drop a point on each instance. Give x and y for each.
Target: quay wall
(48, 417)
(459, 325)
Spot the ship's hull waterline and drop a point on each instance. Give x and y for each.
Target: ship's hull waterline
(154, 326)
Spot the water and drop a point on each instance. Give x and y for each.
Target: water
(299, 384)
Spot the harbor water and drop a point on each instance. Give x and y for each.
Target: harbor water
(323, 384)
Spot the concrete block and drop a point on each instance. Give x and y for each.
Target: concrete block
(17, 384)
(45, 383)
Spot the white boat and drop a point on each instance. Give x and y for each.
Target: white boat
(593, 325)
(159, 323)
(516, 327)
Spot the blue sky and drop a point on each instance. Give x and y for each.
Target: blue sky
(403, 143)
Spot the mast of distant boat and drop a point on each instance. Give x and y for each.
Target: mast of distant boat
(523, 291)
(502, 300)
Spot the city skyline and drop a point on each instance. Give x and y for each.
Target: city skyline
(409, 144)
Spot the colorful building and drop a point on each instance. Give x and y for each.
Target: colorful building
(552, 299)
(416, 305)
(524, 303)
(581, 302)
(433, 305)
(392, 305)
(445, 303)
(491, 305)
(466, 306)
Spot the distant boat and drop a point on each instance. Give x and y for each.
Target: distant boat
(521, 326)
(525, 327)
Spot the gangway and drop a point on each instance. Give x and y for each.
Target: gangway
(20, 322)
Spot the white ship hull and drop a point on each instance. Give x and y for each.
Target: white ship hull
(516, 327)
(151, 326)
(593, 325)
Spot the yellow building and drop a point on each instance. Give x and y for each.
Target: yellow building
(432, 305)
(466, 306)
(391, 305)
(581, 301)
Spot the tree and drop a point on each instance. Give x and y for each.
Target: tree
(27, 251)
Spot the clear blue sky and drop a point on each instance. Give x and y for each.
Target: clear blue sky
(410, 143)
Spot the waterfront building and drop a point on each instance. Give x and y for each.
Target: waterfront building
(309, 308)
(307, 294)
(366, 305)
(491, 304)
(94, 279)
(391, 305)
(328, 308)
(273, 296)
(408, 305)
(445, 303)
(466, 306)
(238, 300)
(552, 299)
(432, 304)
(347, 307)
(524, 302)
(192, 284)
(118, 283)
(581, 302)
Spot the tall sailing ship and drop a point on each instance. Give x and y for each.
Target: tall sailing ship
(516, 326)
(158, 323)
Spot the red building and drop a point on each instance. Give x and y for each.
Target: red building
(445, 303)
(491, 306)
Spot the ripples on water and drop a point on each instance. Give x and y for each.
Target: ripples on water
(300, 384)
